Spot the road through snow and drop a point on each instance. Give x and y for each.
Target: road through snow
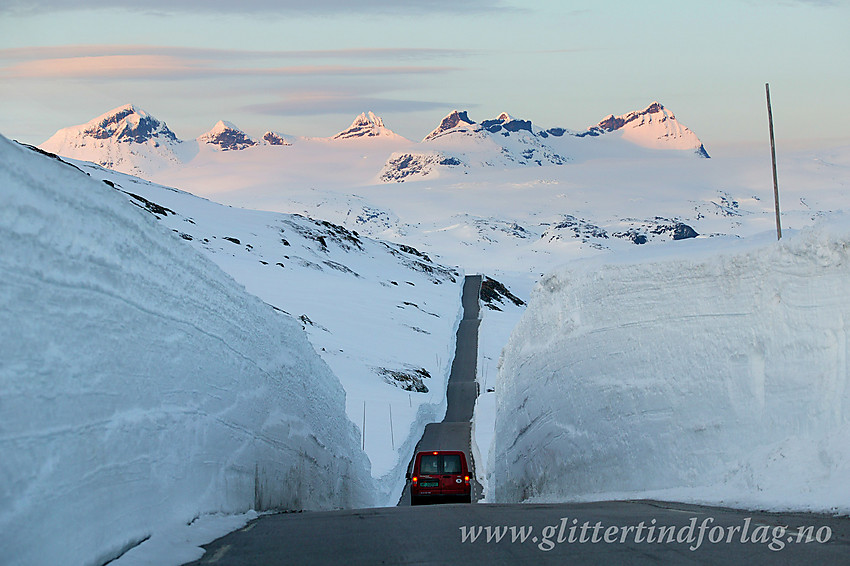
(455, 432)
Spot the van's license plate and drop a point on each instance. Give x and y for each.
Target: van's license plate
(429, 484)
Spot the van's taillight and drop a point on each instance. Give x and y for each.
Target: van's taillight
(414, 479)
(466, 479)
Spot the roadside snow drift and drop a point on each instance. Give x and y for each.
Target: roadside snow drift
(718, 375)
(142, 386)
(382, 316)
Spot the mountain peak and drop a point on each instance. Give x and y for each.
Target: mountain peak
(366, 125)
(457, 118)
(655, 127)
(223, 125)
(120, 139)
(227, 137)
(127, 123)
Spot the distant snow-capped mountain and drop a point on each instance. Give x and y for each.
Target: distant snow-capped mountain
(126, 139)
(227, 137)
(654, 127)
(366, 125)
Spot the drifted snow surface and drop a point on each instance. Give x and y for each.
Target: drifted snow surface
(718, 374)
(142, 387)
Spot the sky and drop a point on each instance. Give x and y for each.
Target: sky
(309, 67)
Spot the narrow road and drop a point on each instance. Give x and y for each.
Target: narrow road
(542, 534)
(455, 432)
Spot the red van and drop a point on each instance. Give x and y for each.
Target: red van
(440, 475)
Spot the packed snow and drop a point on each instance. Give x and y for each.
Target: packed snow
(712, 371)
(142, 387)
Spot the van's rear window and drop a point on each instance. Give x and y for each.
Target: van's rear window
(440, 464)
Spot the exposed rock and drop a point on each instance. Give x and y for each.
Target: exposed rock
(227, 137)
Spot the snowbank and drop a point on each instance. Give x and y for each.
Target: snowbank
(718, 374)
(141, 385)
(380, 315)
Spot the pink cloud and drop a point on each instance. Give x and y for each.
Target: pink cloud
(148, 66)
(207, 53)
(108, 66)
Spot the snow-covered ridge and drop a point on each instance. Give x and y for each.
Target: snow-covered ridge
(716, 373)
(128, 139)
(508, 142)
(142, 386)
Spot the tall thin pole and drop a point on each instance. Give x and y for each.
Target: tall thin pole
(392, 436)
(363, 445)
(773, 159)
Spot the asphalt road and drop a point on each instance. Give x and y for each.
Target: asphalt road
(455, 431)
(433, 535)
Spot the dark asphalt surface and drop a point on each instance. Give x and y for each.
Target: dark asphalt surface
(434, 534)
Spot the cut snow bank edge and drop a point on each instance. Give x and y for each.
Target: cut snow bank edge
(717, 375)
(392, 484)
(141, 385)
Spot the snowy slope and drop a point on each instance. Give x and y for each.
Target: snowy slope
(383, 316)
(711, 370)
(142, 387)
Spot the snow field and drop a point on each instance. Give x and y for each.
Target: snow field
(711, 370)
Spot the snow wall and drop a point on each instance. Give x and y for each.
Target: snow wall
(140, 385)
(716, 375)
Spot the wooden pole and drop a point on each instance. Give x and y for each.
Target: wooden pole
(773, 159)
(392, 436)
